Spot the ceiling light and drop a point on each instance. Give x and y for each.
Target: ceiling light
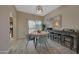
(39, 9)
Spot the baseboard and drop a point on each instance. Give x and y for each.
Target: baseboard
(3, 52)
(21, 37)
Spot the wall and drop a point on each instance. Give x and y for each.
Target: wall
(14, 15)
(70, 19)
(4, 27)
(23, 22)
(70, 16)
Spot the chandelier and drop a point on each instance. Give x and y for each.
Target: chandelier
(39, 9)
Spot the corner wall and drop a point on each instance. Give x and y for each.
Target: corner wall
(23, 22)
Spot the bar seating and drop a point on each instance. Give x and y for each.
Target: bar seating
(56, 37)
(53, 36)
(50, 34)
(68, 40)
(67, 37)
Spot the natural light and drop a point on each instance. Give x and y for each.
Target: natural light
(34, 25)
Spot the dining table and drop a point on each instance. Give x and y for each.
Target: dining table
(37, 35)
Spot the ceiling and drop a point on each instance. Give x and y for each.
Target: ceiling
(32, 8)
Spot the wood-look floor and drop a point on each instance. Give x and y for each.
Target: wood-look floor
(19, 47)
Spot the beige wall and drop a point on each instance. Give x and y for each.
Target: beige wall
(20, 27)
(4, 27)
(70, 19)
(70, 16)
(14, 15)
(23, 22)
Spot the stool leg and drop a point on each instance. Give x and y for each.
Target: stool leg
(64, 41)
(71, 43)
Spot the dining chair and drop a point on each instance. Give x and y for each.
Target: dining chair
(29, 38)
(42, 40)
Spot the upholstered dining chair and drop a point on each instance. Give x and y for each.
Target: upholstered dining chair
(29, 38)
(42, 40)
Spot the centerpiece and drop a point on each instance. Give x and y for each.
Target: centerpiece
(39, 31)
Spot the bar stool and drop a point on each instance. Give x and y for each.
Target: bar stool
(68, 41)
(56, 37)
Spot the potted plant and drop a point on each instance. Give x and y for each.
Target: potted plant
(43, 27)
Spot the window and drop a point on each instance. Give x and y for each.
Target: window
(31, 26)
(34, 25)
(38, 25)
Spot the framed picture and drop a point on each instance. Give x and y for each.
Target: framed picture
(57, 21)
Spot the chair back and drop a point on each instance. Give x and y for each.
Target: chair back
(30, 37)
(43, 38)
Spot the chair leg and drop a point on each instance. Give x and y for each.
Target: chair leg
(27, 43)
(35, 43)
(46, 45)
(47, 48)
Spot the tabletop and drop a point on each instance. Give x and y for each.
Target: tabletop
(41, 33)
